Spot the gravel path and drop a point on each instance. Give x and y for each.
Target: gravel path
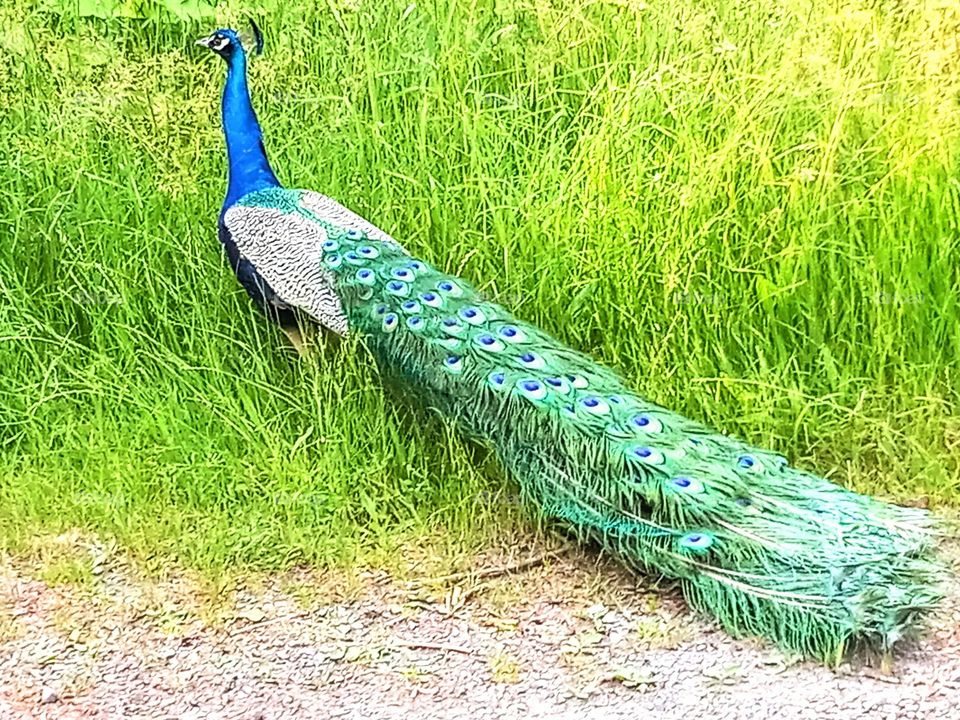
(572, 637)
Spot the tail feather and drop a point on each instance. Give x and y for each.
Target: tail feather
(812, 593)
(765, 548)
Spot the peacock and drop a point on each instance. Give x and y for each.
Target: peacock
(763, 547)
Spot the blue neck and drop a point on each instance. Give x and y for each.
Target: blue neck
(249, 168)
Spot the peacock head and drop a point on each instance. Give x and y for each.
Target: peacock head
(227, 43)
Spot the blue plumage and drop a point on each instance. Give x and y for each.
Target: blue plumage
(248, 167)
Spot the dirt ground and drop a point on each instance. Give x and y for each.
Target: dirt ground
(565, 636)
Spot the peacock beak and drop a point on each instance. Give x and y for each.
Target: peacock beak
(206, 42)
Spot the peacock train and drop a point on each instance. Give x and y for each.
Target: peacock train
(765, 548)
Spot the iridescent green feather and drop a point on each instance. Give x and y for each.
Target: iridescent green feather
(765, 548)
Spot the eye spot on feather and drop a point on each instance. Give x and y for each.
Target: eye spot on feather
(578, 381)
(390, 322)
(743, 502)
(532, 361)
(453, 364)
(698, 542)
(353, 258)
(368, 251)
(595, 405)
(404, 274)
(333, 261)
(354, 234)
(472, 315)
(450, 288)
(750, 464)
(558, 384)
(531, 389)
(379, 310)
(686, 485)
(415, 323)
(512, 334)
(647, 455)
(431, 299)
(497, 380)
(366, 277)
(417, 266)
(451, 326)
(488, 342)
(647, 423)
(410, 306)
(397, 288)
(331, 246)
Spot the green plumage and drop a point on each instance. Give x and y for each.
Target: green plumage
(765, 548)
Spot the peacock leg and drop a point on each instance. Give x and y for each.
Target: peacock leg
(296, 335)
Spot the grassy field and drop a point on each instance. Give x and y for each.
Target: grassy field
(751, 211)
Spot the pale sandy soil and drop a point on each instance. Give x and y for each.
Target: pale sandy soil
(573, 637)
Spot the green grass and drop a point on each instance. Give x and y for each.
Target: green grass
(751, 211)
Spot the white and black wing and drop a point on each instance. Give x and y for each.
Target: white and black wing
(286, 248)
